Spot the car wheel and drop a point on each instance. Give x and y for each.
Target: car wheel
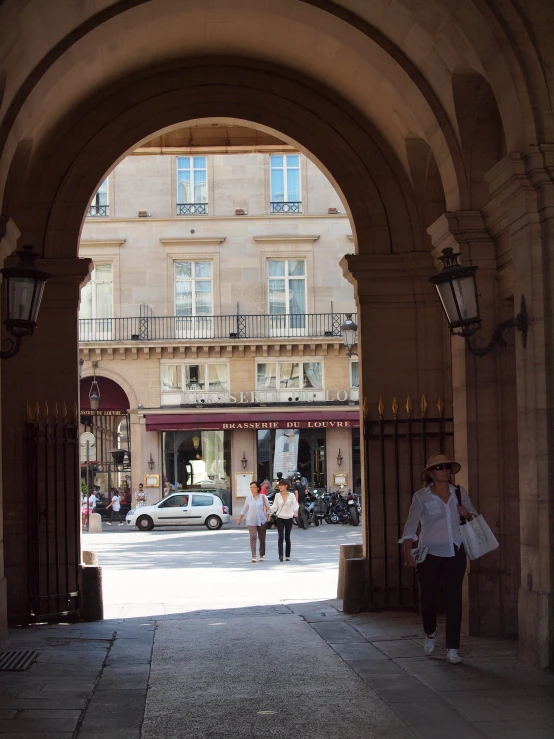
(214, 523)
(145, 523)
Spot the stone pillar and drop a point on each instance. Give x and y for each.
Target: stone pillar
(44, 374)
(402, 352)
(484, 430)
(522, 186)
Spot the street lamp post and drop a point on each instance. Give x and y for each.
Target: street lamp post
(348, 331)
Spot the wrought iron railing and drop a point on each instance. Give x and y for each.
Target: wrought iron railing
(192, 209)
(290, 207)
(95, 211)
(193, 328)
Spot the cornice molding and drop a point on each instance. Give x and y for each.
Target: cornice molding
(285, 237)
(212, 241)
(87, 243)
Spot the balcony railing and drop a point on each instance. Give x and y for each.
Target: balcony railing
(192, 209)
(290, 207)
(194, 328)
(96, 211)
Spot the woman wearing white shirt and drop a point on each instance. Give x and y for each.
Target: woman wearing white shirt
(436, 508)
(256, 512)
(285, 506)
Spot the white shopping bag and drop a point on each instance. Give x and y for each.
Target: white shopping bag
(478, 538)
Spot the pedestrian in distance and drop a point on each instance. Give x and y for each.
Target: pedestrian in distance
(256, 512)
(300, 493)
(115, 506)
(140, 496)
(88, 507)
(285, 506)
(435, 507)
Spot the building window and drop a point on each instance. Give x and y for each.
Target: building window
(96, 309)
(287, 296)
(282, 452)
(193, 293)
(354, 373)
(285, 183)
(192, 186)
(289, 382)
(198, 461)
(190, 384)
(99, 205)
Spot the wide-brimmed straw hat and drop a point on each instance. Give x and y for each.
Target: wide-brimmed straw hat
(440, 459)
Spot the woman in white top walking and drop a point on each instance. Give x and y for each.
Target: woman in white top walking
(285, 506)
(256, 512)
(436, 507)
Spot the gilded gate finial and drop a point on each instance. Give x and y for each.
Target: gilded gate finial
(394, 408)
(440, 407)
(409, 407)
(380, 408)
(365, 407)
(423, 406)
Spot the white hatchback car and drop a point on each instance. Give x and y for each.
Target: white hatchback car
(181, 509)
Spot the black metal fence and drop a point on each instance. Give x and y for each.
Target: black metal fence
(290, 207)
(183, 328)
(396, 450)
(192, 209)
(95, 211)
(54, 515)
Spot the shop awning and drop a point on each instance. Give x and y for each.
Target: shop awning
(339, 418)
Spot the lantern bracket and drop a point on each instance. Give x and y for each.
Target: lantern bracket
(520, 322)
(12, 347)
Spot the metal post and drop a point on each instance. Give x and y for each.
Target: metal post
(88, 483)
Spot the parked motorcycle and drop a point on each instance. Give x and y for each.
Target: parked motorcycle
(343, 509)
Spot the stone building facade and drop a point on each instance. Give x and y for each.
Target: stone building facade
(212, 307)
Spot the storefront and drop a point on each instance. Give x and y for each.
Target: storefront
(224, 451)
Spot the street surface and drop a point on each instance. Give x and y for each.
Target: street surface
(148, 573)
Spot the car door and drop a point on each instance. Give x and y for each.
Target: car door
(173, 510)
(202, 505)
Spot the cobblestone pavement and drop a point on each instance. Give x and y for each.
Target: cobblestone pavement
(271, 667)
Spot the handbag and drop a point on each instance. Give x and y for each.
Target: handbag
(476, 534)
(274, 516)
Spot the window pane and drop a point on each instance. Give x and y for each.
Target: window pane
(203, 269)
(203, 297)
(102, 195)
(183, 298)
(85, 309)
(194, 377)
(171, 377)
(293, 160)
(183, 270)
(200, 186)
(293, 185)
(199, 162)
(313, 374)
(297, 268)
(276, 160)
(355, 375)
(289, 375)
(297, 296)
(183, 163)
(102, 273)
(277, 186)
(277, 297)
(202, 500)
(104, 302)
(217, 377)
(183, 180)
(266, 376)
(276, 268)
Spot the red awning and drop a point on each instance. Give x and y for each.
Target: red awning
(112, 395)
(339, 418)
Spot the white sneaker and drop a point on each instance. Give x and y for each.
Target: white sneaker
(108, 523)
(453, 657)
(429, 645)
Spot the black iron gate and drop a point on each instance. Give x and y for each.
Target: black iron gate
(396, 444)
(54, 514)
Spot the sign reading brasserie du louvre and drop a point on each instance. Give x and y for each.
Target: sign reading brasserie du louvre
(260, 425)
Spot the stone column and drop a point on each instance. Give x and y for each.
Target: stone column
(402, 352)
(43, 375)
(522, 186)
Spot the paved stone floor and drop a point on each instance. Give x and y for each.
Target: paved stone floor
(267, 654)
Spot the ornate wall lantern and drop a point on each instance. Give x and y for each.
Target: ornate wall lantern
(24, 286)
(456, 287)
(244, 461)
(94, 392)
(339, 458)
(348, 331)
(151, 463)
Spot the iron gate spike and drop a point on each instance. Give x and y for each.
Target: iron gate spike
(64, 412)
(409, 407)
(380, 408)
(394, 408)
(440, 406)
(37, 413)
(56, 411)
(423, 406)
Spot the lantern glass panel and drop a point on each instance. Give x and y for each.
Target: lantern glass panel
(349, 336)
(24, 298)
(465, 291)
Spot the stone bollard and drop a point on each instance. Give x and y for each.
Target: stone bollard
(90, 558)
(95, 523)
(346, 551)
(354, 599)
(92, 605)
